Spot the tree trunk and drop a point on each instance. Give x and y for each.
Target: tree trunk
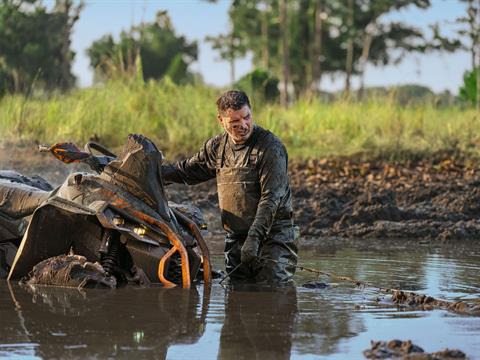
(477, 47)
(265, 50)
(367, 43)
(232, 60)
(317, 47)
(284, 49)
(349, 60)
(72, 14)
(472, 20)
(232, 71)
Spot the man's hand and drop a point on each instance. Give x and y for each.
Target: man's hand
(250, 250)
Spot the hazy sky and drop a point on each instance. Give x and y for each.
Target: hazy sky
(195, 19)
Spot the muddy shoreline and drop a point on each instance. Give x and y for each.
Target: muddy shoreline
(430, 200)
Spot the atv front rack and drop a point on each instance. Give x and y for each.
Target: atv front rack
(177, 245)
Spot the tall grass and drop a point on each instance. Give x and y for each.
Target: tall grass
(180, 118)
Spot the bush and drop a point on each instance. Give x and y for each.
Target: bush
(260, 86)
(468, 91)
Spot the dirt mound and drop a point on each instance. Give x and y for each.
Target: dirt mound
(426, 199)
(70, 271)
(397, 349)
(424, 302)
(436, 199)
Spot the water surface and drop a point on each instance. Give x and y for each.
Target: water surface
(337, 322)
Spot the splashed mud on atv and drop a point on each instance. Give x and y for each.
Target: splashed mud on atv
(119, 217)
(71, 271)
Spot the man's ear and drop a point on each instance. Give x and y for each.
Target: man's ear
(219, 118)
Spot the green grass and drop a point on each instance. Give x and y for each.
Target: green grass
(180, 118)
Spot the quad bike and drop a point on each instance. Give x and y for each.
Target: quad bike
(118, 217)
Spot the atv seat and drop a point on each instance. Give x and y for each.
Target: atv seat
(18, 200)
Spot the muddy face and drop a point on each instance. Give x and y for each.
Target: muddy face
(237, 123)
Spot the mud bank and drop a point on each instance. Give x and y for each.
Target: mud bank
(427, 199)
(435, 199)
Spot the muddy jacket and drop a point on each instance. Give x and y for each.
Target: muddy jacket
(252, 181)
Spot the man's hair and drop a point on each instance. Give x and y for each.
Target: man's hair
(232, 99)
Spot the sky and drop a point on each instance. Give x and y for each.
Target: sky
(196, 19)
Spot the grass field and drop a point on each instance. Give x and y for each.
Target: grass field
(180, 118)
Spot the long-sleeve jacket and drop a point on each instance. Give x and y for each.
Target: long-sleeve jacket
(252, 180)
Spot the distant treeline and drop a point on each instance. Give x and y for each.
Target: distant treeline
(294, 45)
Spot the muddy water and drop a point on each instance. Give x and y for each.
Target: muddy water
(337, 322)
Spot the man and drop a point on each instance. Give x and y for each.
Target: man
(250, 165)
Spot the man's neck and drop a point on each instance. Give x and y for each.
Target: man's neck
(243, 142)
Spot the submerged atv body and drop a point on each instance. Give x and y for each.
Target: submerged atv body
(119, 218)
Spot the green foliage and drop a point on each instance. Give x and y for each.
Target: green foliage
(468, 91)
(257, 26)
(160, 50)
(260, 85)
(34, 45)
(180, 118)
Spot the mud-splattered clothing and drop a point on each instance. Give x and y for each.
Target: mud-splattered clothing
(254, 198)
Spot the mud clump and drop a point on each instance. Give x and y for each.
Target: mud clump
(70, 271)
(397, 349)
(315, 285)
(425, 302)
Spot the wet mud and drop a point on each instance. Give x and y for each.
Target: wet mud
(70, 271)
(397, 349)
(426, 302)
(430, 199)
(437, 199)
(427, 199)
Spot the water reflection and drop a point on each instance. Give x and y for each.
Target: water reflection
(337, 322)
(97, 323)
(258, 323)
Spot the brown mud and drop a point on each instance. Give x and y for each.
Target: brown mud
(425, 302)
(427, 199)
(397, 349)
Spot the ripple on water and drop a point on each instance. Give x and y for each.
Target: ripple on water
(336, 322)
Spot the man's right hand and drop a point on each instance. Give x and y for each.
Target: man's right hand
(249, 251)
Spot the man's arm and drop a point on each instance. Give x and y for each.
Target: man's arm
(199, 168)
(274, 185)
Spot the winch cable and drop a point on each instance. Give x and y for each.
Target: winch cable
(411, 298)
(230, 273)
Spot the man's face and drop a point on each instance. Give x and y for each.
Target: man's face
(237, 123)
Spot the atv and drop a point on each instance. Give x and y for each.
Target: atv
(117, 217)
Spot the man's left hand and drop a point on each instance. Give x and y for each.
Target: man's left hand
(249, 250)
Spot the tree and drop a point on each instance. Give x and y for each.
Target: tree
(471, 30)
(317, 46)
(35, 45)
(70, 13)
(323, 37)
(469, 90)
(404, 37)
(230, 48)
(262, 86)
(284, 51)
(160, 50)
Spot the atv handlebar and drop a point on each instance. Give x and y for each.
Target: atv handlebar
(69, 153)
(100, 148)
